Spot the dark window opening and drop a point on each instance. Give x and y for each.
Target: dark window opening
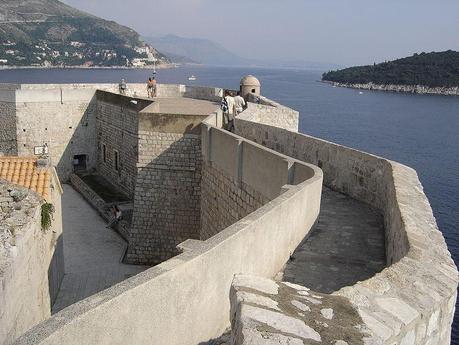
(253, 90)
(79, 163)
(117, 163)
(104, 153)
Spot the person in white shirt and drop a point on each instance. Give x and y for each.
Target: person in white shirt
(239, 103)
(229, 111)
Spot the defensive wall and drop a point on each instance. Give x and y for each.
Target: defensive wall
(251, 225)
(412, 301)
(64, 117)
(185, 300)
(168, 179)
(31, 259)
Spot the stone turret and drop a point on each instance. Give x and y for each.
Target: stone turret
(250, 84)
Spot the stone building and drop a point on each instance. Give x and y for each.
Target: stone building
(220, 215)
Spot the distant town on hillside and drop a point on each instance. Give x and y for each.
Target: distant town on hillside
(47, 33)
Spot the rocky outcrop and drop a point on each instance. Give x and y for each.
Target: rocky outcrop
(420, 89)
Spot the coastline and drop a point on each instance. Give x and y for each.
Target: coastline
(162, 66)
(416, 89)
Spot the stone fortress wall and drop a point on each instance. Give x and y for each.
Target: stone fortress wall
(184, 300)
(117, 130)
(169, 182)
(8, 141)
(27, 109)
(31, 259)
(412, 301)
(225, 196)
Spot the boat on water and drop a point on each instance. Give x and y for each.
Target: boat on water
(192, 78)
(360, 93)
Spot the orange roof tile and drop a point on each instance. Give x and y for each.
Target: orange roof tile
(23, 171)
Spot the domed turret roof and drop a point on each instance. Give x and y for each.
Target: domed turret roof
(250, 80)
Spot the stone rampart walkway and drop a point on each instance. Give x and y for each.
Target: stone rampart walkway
(92, 253)
(346, 246)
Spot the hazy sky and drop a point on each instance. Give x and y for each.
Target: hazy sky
(345, 32)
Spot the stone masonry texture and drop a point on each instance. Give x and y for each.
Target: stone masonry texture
(224, 200)
(73, 134)
(167, 196)
(267, 312)
(8, 137)
(117, 131)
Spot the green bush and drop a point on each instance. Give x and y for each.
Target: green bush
(47, 211)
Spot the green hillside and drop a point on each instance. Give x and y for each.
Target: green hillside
(427, 69)
(50, 33)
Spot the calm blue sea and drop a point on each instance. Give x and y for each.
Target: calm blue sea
(421, 131)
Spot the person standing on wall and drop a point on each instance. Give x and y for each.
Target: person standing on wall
(151, 87)
(122, 87)
(239, 103)
(228, 107)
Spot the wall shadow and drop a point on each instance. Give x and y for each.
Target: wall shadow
(167, 202)
(56, 270)
(81, 142)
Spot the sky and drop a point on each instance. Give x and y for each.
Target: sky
(344, 32)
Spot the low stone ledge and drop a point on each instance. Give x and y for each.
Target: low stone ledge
(101, 206)
(267, 312)
(263, 110)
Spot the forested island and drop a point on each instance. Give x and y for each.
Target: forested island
(436, 72)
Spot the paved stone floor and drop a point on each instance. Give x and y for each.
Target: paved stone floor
(346, 246)
(92, 253)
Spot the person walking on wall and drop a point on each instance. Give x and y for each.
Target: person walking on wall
(228, 107)
(239, 103)
(151, 87)
(116, 216)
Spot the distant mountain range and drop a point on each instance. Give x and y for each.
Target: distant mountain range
(195, 50)
(203, 51)
(50, 33)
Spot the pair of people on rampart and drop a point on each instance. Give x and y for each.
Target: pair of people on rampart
(232, 106)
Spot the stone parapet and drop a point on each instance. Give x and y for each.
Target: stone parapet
(412, 301)
(263, 110)
(184, 300)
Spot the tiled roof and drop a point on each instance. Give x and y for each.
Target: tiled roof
(23, 171)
